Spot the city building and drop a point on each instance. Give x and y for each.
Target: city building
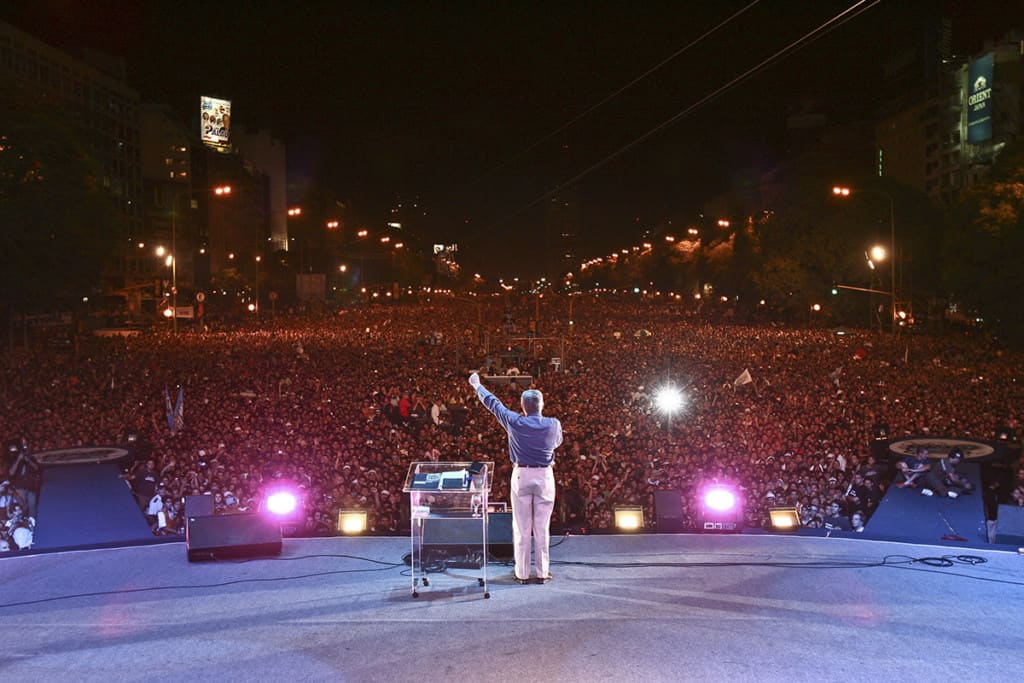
(947, 117)
(93, 93)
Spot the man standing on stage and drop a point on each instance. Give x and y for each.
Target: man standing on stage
(532, 440)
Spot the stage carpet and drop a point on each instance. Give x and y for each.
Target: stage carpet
(621, 608)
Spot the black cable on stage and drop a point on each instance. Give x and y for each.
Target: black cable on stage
(234, 582)
(892, 561)
(309, 557)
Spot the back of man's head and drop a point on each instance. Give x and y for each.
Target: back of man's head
(532, 401)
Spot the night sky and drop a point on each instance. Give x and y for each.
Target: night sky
(458, 103)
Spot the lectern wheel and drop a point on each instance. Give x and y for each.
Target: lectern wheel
(487, 594)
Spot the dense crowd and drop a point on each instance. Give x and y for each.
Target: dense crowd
(339, 405)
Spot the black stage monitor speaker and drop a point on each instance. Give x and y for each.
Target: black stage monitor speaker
(232, 536)
(464, 533)
(198, 506)
(1004, 433)
(1010, 525)
(668, 511)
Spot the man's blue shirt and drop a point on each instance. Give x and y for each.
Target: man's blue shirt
(532, 439)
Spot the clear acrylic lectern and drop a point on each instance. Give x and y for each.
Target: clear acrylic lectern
(448, 499)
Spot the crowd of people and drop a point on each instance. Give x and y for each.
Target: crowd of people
(338, 405)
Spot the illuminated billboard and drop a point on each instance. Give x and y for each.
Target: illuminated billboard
(979, 100)
(215, 122)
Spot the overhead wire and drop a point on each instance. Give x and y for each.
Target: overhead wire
(827, 27)
(608, 98)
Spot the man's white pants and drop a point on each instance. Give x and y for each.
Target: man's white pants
(533, 501)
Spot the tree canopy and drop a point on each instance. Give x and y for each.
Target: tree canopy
(57, 224)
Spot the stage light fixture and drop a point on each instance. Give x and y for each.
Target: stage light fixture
(784, 518)
(629, 518)
(282, 503)
(721, 508)
(720, 499)
(351, 522)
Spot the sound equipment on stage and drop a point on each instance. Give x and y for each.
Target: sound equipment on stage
(668, 512)
(198, 506)
(721, 509)
(454, 535)
(1004, 433)
(1010, 525)
(231, 536)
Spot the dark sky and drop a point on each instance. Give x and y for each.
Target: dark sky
(452, 101)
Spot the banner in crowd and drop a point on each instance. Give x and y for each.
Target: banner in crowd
(175, 415)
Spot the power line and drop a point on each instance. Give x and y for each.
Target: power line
(824, 29)
(571, 122)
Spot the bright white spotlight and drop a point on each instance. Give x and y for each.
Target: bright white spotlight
(282, 503)
(668, 400)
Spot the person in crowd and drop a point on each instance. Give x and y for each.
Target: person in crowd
(255, 407)
(26, 479)
(9, 497)
(835, 518)
(913, 467)
(857, 521)
(944, 480)
(142, 479)
(532, 440)
(20, 527)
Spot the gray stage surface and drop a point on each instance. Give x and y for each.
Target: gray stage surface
(621, 608)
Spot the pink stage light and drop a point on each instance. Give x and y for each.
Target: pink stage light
(282, 503)
(720, 499)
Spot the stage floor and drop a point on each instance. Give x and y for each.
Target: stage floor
(621, 608)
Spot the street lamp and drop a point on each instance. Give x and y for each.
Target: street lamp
(846, 192)
(220, 190)
(258, 259)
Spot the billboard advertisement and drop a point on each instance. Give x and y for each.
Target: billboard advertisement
(215, 122)
(979, 100)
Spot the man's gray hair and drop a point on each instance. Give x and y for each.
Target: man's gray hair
(532, 400)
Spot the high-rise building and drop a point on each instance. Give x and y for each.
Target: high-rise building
(986, 102)
(267, 155)
(167, 181)
(947, 117)
(94, 95)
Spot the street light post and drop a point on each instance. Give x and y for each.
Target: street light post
(258, 258)
(219, 190)
(846, 192)
(174, 263)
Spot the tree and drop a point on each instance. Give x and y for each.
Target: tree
(57, 225)
(986, 239)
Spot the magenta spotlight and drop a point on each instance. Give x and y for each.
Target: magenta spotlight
(720, 499)
(721, 508)
(282, 503)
